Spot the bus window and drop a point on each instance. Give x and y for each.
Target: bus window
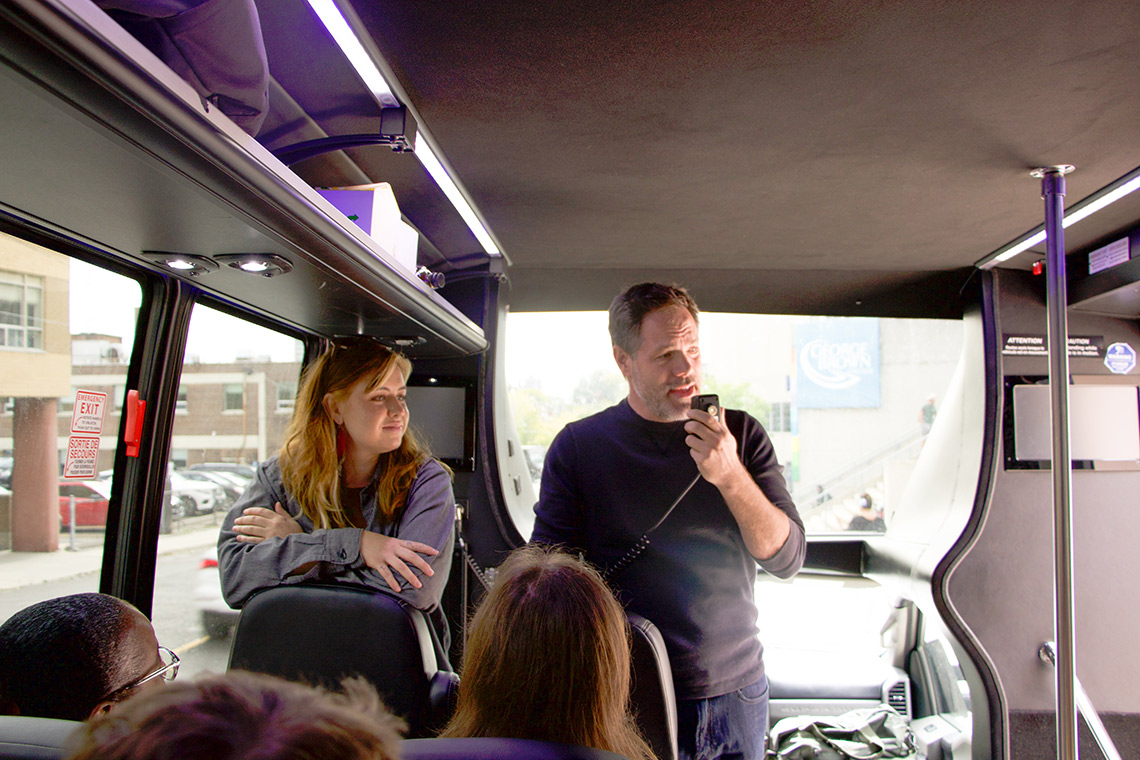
(67, 329)
(234, 400)
(843, 400)
(848, 402)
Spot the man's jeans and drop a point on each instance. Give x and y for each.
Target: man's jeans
(733, 726)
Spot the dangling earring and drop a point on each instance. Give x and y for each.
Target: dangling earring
(341, 442)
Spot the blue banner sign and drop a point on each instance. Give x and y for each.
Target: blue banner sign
(837, 364)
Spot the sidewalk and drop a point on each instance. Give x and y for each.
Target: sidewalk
(18, 569)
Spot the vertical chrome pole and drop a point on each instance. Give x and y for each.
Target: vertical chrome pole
(1053, 192)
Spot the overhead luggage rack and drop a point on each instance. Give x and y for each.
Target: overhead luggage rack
(96, 130)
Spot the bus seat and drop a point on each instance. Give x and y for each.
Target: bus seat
(651, 695)
(25, 738)
(323, 633)
(484, 748)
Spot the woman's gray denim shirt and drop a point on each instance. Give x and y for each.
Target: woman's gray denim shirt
(429, 519)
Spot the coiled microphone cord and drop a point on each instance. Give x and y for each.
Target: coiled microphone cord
(643, 542)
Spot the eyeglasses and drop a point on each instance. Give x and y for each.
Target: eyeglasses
(167, 672)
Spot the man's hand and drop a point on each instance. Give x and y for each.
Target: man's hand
(763, 526)
(258, 523)
(713, 448)
(384, 554)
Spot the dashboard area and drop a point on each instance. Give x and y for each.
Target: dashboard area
(829, 683)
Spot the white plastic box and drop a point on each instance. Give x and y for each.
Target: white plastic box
(374, 209)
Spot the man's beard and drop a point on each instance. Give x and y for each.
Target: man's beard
(657, 399)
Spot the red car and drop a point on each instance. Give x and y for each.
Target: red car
(91, 498)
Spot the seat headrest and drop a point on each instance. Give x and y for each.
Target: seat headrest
(651, 691)
(24, 738)
(323, 633)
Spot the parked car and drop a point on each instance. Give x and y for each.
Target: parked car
(92, 498)
(218, 619)
(230, 489)
(205, 496)
(245, 471)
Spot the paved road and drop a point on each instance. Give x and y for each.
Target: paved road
(175, 618)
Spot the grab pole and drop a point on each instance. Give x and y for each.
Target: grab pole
(1053, 192)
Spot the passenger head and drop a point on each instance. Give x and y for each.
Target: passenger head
(76, 656)
(633, 304)
(245, 716)
(548, 658)
(311, 458)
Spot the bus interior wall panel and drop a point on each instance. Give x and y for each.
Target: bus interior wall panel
(1033, 734)
(1003, 587)
(491, 531)
(938, 506)
(977, 667)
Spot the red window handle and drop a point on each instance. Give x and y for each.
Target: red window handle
(136, 411)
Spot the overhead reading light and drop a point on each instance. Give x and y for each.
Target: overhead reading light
(331, 16)
(1083, 209)
(264, 264)
(183, 263)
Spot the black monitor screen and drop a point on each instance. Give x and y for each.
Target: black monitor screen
(443, 415)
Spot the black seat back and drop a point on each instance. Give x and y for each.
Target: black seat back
(323, 633)
(24, 738)
(499, 749)
(651, 696)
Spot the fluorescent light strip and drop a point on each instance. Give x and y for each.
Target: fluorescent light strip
(334, 21)
(1105, 200)
(1071, 218)
(1024, 245)
(432, 163)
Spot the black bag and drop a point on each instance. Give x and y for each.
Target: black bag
(866, 734)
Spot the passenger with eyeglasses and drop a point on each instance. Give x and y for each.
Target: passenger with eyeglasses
(78, 656)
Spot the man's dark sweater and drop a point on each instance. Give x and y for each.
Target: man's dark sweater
(608, 478)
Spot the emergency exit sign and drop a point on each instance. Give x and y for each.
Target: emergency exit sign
(87, 414)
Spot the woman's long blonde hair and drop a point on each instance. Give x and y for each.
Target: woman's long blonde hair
(548, 658)
(309, 461)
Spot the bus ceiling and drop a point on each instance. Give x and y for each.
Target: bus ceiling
(775, 158)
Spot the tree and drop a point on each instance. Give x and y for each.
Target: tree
(738, 396)
(538, 417)
(600, 388)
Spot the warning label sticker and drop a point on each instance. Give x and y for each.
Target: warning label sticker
(87, 415)
(1120, 358)
(82, 457)
(1083, 346)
